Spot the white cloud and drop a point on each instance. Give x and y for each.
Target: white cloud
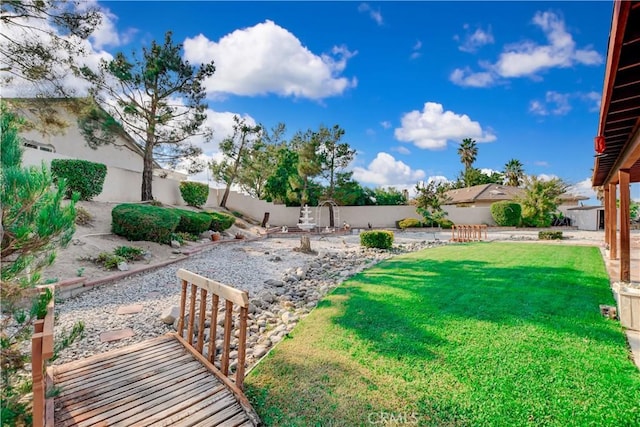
(466, 77)
(527, 58)
(489, 171)
(541, 163)
(401, 149)
(416, 50)
(370, 132)
(385, 170)
(555, 103)
(583, 188)
(418, 45)
(267, 58)
(415, 55)
(593, 98)
(385, 124)
(373, 14)
(547, 177)
(432, 127)
(472, 41)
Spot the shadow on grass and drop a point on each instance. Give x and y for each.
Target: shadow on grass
(412, 298)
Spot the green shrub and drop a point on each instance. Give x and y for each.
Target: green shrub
(506, 213)
(408, 223)
(381, 239)
(192, 222)
(221, 221)
(550, 235)
(144, 222)
(109, 261)
(182, 237)
(84, 177)
(194, 193)
(130, 253)
(445, 223)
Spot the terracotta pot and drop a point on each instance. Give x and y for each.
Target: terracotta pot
(215, 237)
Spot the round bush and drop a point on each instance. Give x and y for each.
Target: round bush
(445, 223)
(506, 214)
(83, 177)
(194, 193)
(409, 222)
(192, 222)
(382, 239)
(220, 221)
(144, 222)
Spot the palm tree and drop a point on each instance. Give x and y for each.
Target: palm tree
(468, 151)
(514, 172)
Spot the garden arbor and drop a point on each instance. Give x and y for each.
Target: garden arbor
(617, 144)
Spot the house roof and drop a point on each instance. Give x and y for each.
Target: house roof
(585, 208)
(620, 106)
(493, 193)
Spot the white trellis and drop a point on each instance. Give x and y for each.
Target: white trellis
(336, 214)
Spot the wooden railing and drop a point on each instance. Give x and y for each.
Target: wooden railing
(468, 233)
(199, 288)
(41, 351)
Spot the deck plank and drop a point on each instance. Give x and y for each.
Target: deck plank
(219, 417)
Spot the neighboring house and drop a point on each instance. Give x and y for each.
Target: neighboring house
(54, 129)
(587, 217)
(485, 194)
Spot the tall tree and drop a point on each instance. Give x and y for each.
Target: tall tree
(389, 196)
(35, 221)
(335, 156)
(261, 162)
(429, 200)
(514, 172)
(309, 162)
(540, 200)
(282, 184)
(40, 41)
(474, 176)
(468, 152)
(236, 149)
(159, 99)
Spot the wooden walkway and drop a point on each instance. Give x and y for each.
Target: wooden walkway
(155, 383)
(166, 381)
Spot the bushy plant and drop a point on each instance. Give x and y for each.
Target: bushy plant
(445, 223)
(193, 222)
(108, 260)
(144, 222)
(182, 237)
(221, 221)
(408, 223)
(381, 239)
(506, 213)
(83, 217)
(130, 253)
(194, 193)
(550, 235)
(84, 177)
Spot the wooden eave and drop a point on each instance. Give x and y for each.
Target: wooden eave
(620, 107)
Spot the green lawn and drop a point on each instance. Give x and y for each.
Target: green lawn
(484, 334)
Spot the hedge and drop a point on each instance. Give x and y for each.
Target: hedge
(220, 221)
(447, 224)
(506, 213)
(381, 239)
(408, 223)
(550, 235)
(84, 177)
(144, 222)
(194, 193)
(192, 222)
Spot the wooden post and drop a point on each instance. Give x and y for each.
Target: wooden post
(37, 373)
(625, 233)
(613, 226)
(265, 220)
(242, 347)
(606, 214)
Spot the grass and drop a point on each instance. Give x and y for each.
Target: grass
(484, 334)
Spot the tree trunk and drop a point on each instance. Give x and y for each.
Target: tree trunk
(147, 174)
(265, 219)
(223, 203)
(332, 221)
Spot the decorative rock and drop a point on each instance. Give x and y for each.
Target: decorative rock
(288, 317)
(116, 335)
(130, 309)
(123, 266)
(175, 244)
(259, 351)
(176, 251)
(170, 315)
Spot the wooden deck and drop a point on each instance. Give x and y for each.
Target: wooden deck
(159, 382)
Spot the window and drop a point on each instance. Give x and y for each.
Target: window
(39, 146)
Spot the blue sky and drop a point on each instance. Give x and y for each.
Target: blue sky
(407, 81)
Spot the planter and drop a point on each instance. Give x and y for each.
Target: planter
(629, 306)
(215, 237)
